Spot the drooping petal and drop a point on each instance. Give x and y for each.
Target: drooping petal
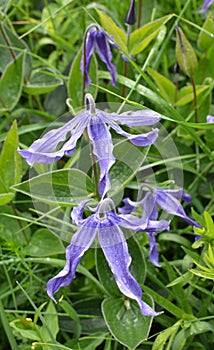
(128, 206)
(172, 206)
(137, 118)
(85, 61)
(105, 55)
(116, 252)
(77, 212)
(80, 242)
(180, 194)
(103, 149)
(138, 140)
(43, 150)
(153, 249)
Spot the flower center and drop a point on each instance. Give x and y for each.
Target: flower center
(106, 205)
(90, 104)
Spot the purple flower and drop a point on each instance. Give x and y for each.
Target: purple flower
(131, 14)
(96, 39)
(45, 150)
(206, 5)
(104, 223)
(210, 119)
(168, 200)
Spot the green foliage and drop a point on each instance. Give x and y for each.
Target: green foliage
(40, 52)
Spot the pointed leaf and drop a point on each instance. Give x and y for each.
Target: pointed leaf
(125, 321)
(64, 187)
(166, 87)
(142, 37)
(51, 319)
(205, 40)
(10, 165)
(185, 54)
(42, 81)
(11, 84)
(119, 36)
(168, 333)
(186, 95)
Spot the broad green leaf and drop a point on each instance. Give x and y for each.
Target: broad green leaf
(166, 87)
(125, 321)
(44, 243)
(185, 54)
(71, 312)
(10, 165)
(75, 81)
(63, 187)
(142, 37)
(51, 320)
(42, 81)
(205, 40)
(119, 36)
(10, 47)
(11, 84)
(165, 335)
(186, 95)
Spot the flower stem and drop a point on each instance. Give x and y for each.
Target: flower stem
(139, 13)
(195, 99)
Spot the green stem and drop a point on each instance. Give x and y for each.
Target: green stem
(139, 13)
(195, 98)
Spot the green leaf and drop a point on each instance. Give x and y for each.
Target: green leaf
(71, 312)
(26, 329)
(11, 46)
(64, 187)
(39, 242)
(186, 95)
(166, 87)
(203, 274)
(10, 165)
(75, 81)
(185, 54)
(42, 81)
(166, 334)
(119, 36)
(11, 84)
(142, 37)
(51, 322)
(205, 40)
(125, 321)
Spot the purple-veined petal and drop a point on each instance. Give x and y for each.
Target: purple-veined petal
(89, 49)
(180, 194)
(172, 206)
(138, 140)
(156, 226)
(116, 253)
(105, 55)
(210, 119)
(43, 149)
(103, 149)
(77, 212)
(137, 118)
(153, 249)
(80, 242)
(150, 209)
(128, 206)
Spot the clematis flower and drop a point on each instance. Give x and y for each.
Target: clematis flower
(206, 5)
(210, 119)
(105, 224)
(95, 121)
(168, 200)
(96, 39)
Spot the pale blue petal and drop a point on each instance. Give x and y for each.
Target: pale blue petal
(103, 149)
(116, 252)
(137, 118)
(153, 250)
(210, 119)
(80, 242)
(77, 212)
(89, 49)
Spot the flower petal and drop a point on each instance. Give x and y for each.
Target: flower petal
(138, 140)
(128, 206)
(210, 119)
(80, 242)
(137, 118)
(43, 149)
(116, 252)
(104, 53)
(153, 250)
(206, 5)
(103, 149)
(172, 206)
(77, 212)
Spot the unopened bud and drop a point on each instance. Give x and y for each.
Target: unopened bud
(131, 14)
